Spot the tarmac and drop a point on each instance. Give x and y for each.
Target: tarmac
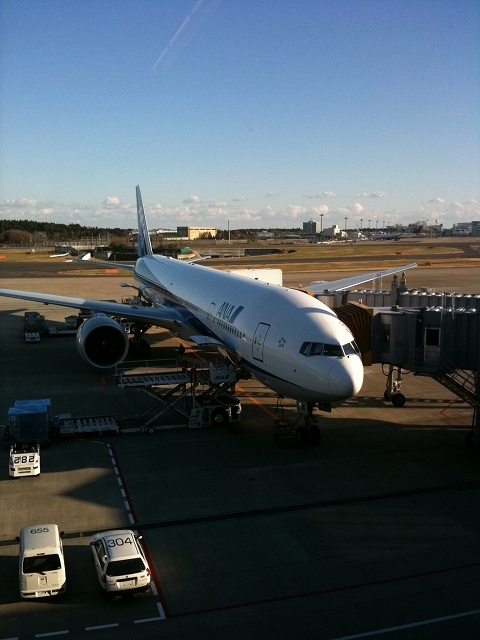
(373, 533)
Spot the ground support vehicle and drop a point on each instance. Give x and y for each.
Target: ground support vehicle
(214, 407)
(66, 425)
(201, 394)
(24, 460)
(33, 326)
(28, 422)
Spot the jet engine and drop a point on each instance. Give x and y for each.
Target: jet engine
(102, 341)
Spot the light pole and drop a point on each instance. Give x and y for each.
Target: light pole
(361, 224)
(321, 226)
(346, 225)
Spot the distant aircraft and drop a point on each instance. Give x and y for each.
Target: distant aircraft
(396, 235)
(286, 339)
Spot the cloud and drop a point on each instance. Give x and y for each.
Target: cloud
(324, 194)
(192, 200)
(111, 201)
(272, 194)
(239, 199)
(19, 203)
(436, 201)
(293, 211)
(321, 209)
(375, 194)
(355, 208)
(463, 212)
(114, 203)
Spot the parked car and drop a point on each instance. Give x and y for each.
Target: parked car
(120, 562)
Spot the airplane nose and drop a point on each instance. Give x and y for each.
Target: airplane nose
(345, 378)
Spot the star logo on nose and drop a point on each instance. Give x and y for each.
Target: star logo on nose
(281, 342)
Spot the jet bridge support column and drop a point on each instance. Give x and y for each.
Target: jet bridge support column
(472, 439)
(392, 392)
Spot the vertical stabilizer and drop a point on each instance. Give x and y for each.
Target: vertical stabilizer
(144, 244)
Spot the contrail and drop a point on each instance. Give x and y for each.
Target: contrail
(179, 31)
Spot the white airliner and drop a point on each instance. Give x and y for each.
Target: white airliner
(285, 338)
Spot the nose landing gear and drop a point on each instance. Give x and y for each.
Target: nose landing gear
(309, 432)
(288, 432)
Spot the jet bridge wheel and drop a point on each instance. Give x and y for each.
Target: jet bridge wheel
(398, 399)
(470, 440)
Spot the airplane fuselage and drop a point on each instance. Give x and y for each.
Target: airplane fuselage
(273, 332)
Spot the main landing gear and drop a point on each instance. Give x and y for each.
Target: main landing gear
(139, 347)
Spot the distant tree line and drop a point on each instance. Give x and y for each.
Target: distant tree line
(55, 228)
(23, 232)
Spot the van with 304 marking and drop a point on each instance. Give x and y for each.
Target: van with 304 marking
(41, 561)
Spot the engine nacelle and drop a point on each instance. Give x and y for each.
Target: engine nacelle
(102, 341)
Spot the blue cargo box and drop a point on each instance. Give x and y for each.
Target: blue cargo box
(29, 422)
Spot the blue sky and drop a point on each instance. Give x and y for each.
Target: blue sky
(260, 113)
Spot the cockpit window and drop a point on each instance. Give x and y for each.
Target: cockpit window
(332, 350)
(319, 349)
(305, 348)
(351, 348)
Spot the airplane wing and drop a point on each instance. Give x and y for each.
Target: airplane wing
(160, 316)
(107, 265)
(205, 341)
(345, 283)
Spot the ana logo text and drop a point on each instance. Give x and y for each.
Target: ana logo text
(229, 312)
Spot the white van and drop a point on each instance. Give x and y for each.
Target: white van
(41, 562)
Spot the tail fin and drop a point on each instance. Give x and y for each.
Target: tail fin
(144, 244)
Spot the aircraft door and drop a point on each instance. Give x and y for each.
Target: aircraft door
(431, 345)
(259, 340)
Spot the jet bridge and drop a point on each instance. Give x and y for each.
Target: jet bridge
(199, 395)
(443, 343)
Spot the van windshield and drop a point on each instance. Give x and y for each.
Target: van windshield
(125, 567)
(41, 564)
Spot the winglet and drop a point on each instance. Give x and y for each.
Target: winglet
(144, 244)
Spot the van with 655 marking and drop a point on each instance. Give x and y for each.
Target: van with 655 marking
(41, 562)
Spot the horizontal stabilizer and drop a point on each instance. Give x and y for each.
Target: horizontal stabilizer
(107, 264)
